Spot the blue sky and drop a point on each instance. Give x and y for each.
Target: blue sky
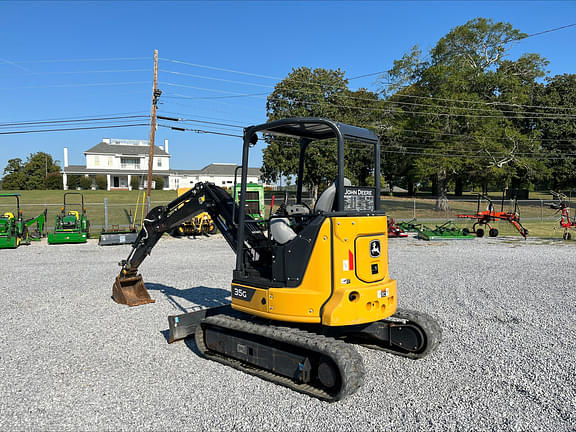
(80, 59)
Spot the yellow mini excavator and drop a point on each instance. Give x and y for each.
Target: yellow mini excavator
(307, 282)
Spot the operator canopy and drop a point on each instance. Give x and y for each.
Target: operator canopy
(315, 129)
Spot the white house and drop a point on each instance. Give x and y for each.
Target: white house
(120, 160)
(221, 174)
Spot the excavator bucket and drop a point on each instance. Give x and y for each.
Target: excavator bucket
(131, 291)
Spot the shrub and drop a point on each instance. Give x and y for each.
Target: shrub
(73, 181)
(159, 182)
(135, 182)
(101, 182)
(85, 182)
(54, 181)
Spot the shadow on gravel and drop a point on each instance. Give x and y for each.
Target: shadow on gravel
(201, 296)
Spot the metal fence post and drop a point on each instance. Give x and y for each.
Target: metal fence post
(414, 211)
(106, 214)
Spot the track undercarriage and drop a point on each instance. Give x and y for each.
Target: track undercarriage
(311, 359)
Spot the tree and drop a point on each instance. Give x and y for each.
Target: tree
(37, 167)
(322, 93)
(33, 174)
(14, 177)
(558, 132)
(452, 115)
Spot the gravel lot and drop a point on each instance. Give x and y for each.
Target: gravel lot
(72, 359)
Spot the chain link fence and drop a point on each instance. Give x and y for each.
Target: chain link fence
(111, 210)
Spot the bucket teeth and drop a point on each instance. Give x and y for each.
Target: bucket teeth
(130, 291)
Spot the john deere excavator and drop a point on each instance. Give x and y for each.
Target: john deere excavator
(303, 287)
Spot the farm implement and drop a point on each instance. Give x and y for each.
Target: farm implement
(394, 229)
(71, 226)
(119, 236)
(410, 226)
(566, 222)
(200, 224)
(447, 231)
(484, 218)
(35, 226)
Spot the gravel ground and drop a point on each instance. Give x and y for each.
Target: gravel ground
(72, 359)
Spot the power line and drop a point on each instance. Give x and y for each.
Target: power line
(74, 60)
(539, 33)
(84, 72)
(216, 79)
(209, 118)
(71, 121)
(72, 129)
(179, 96)
(77, 85)
(463, 135)
(534, 115)
(220, 69)
(85, 116)
(199, 121)
(200, 131)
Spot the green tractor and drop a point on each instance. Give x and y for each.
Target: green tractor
(13, 229)
(254, 200)
(71, 226)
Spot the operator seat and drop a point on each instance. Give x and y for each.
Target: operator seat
(280, 227)
(325, 202)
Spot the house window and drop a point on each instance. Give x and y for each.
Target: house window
(96, 160)
(159, 162)
(131, 163)
(110, 161)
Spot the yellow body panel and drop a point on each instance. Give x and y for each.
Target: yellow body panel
(341, 261)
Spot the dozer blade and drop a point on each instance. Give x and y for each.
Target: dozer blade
(131, 291)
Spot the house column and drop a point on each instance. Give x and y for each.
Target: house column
(129, 184)
(65, 180)
(108, 182)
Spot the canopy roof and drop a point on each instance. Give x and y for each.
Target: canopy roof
(315, 129)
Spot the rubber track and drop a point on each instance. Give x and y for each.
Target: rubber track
(346, 358)
(427, 324)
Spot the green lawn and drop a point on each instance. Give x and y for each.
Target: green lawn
(540, 220)
(120, 204)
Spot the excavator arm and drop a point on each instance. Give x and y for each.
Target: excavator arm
(129, 287)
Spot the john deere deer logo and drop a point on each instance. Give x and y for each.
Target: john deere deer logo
(375, 248)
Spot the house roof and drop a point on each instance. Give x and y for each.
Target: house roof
(226, 169)
(129, 150)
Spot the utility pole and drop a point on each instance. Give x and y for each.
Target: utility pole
(155, 95)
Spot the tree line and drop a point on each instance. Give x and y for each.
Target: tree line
(461, 115)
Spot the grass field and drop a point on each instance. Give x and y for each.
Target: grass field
(540, 220)
(120, 204)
